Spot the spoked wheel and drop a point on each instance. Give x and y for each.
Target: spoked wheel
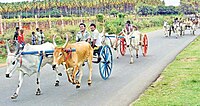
(105, 66)
(122, 46)
(145, 45)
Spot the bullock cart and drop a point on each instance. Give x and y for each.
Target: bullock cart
(106, 63)
(143, 44)
(191, 25)
(123, 43)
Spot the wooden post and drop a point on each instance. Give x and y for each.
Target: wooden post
(62, 23)
(49, 21)
(73, 21)
(1, 25)
(36, 22)
(20, 23)
(31, 23)
(81, 18)
(4, 25)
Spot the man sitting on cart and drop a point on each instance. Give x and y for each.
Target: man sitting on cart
(96, 41)
(129, 28)
(83, 34)
(129, 31)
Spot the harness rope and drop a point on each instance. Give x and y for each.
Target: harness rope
(20, 60)
(69, 51)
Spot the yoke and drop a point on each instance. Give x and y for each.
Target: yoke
(47, 52)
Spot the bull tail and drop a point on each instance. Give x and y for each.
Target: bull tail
(89, 58)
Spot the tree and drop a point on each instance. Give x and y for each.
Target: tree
(144, 9)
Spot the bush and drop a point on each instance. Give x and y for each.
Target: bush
(114, 12)
(99, 17)
(114, 26)
(121, 15)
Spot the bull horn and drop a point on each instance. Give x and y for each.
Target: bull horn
(54, 43)
(66, 42)
(7, 47)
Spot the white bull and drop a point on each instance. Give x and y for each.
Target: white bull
(112, 41)
(28, 64)
(132, 43)
(166, 28)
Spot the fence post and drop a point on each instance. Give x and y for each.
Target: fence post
(20, 22)
(82, 19)
(36, 22)
(1, 25)
(73, 23)
(49, 21)
(62, 21)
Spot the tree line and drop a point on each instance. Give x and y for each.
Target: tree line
(72, 8)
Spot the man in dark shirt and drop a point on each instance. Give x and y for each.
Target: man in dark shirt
(16, 34)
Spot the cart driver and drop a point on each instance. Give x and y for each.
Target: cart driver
(96, 41)
(83, 34)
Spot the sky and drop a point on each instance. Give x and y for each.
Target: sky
(168, 2)
(172, 2)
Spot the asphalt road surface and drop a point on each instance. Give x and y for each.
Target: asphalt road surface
(125, 84)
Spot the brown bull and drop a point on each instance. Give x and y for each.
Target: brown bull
(73, 60)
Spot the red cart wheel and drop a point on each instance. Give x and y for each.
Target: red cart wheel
(122, 46)
(145, 45)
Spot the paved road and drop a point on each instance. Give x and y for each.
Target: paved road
(126, 83)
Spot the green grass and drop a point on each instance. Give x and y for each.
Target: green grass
(2, 55)
(150, 29)
(2, 60)
(179, 84)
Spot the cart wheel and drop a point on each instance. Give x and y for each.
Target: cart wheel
(105, 66)
(145, 45)
(122, 46)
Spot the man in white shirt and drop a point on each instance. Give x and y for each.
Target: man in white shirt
(83, 34)
(37, 33)
(41, 38)
(96, 41)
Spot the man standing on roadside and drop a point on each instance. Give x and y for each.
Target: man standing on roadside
(37, 34)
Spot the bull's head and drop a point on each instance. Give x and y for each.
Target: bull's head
(58, 55)
(12, 62)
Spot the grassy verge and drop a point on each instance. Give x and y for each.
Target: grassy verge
(179, 84)
(151, 29)
(2, 60)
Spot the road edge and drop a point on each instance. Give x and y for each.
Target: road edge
(158, 75)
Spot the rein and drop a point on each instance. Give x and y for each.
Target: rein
(20, 60)
(69, 51)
